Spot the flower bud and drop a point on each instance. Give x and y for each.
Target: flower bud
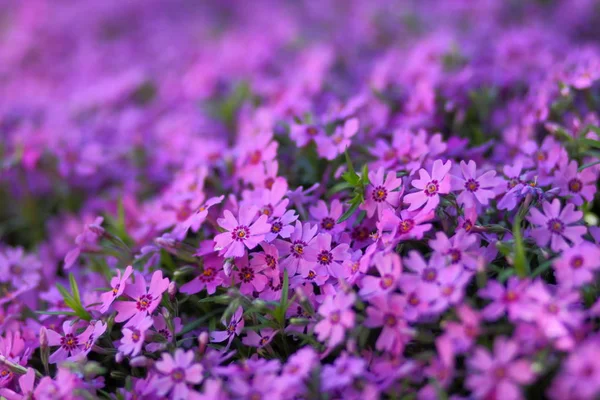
(43, 337)
(172, 290)
(202, 341)
(139, 361)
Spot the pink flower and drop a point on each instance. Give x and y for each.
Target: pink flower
(338, 316)
(196, 218)
(462, 249)
(500, 374)
(241, 232)
(430, 187)
(578, 186)
(293, 251)
(330, 147)
(282, 226)
(70, 344)
(555, 226)
(234, 328)
(389, 267)
(211, 276)
(342, 372)
(576, 265)
(406, 226)
(259, 338)
(118, 284)
(144, 301)
(475, 187)
(134, 336)
(511, 300)
(381, 194)
(388, 311)
(250, 276)
(331, 258)
(327, 220)
(304, 134)
(178, 373)
(26, 384)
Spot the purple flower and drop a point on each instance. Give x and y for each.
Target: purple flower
(476, 188)
(118, 284)
(510, 299)
(406, 226)
(145, 300)
(234, 328)
(330, 147)
(343, 372)
(389, 267)
(26, 384)
(555, 226)
(498, 375)
(576, 265)
(381, 194)
(579, 377)
(430, 187)
(338, 316)
(241, 232)
(333, 259)
(70, 343)
(282, 226)
(259, 338)
(327, 219)
(387, 311)
(578, 186)
(211, 276)
(177, 374)
(293, 252)
(250, 276)
(134, 336)
(462, 249)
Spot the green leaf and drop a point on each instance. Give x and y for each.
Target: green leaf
(349, 163)
(74, 288)
(64, 292)
(590, 142)
(69, 313)
(520, 261)
(353, 207)
(584, 166)
(339, 187)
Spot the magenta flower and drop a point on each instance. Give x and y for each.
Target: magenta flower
(554, 225)
(579, 374)
(282, 226)
(476, 188)
(293, 252)
(211, 276)
(338, 316)
(27, 386)
(577, 186)
(389, 267)
(241, 232)
(430, 187)
(381, 194)
(387, 311)
(330, 147)
(70, 344)
(462, 249)
(304, 134)
(576, 265)
(145, 300)
(498, 375)
(463, 335)
(259, 338)
(420, 297)
(134, 336)
(250, 277)
(330, 258)
(343, 371)
(327, 218)
(196, 217)
(510, 299)
(118, 284)
(178, 373)
(234, 328)
(406, 226)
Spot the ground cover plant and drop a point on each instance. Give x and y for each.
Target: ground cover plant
(299, 200)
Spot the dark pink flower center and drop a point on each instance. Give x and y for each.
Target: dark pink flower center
(325, 257)
(266, 210)
(240, 233)
(575, 185)
(406, 226)
(298, 248)
(556, 226)
(335, 317)
(246, 274)
(264, 340)
(312, 131)
(327, 223)
(379, 194)
(276, 227)
(429, 274)
(431, 188)
(513, 182)
(576, 262)
(270, 261)
(413, 300)
(231, 327)
(390, 320)
(455, 255)
(116, 289)
(178, 375)
(207, 275)
(472, 185)
(69, 342)
(387, 281)
(144, 302)
(135, 336)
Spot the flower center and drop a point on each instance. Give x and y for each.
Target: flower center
(246, 274)
(69, 342)
(324, 257)
(178, 375)
(390, 320)
(360, 233)
(207, 275)
(312, 131)
(431, 188)
(231, 328)
(455, 255)
(135, 336)
(389, 155)
(379, 194)
(270, 261)
(387, 281)
(510, 296)
(276, 227)
(513, 182)
(447, 290)
(264, 340)
(499, 372)
(269, 182)
(298, 248)
(472, 185)
(116, 289)
(255, 157)
(576, 262)
(467, 225)
(327, 223)
(556, 226)
(540, 156)
(240, 233)
(575, 185)
(144, 302)
(334, 317)
(406, 225)
(413, 300)
(429, 274)
(267, 210)
(311, 275)
(553, 308)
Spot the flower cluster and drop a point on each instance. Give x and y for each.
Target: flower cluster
(401, 205)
